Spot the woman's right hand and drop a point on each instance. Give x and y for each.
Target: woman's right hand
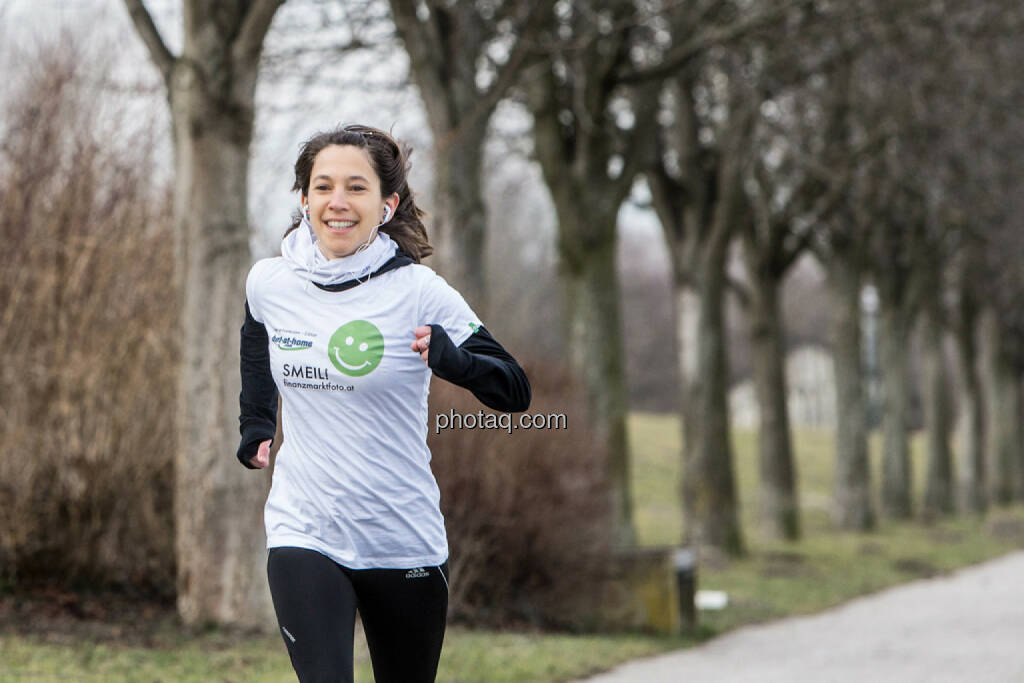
(262, 457)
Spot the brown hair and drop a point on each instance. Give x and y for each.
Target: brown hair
(390, 160)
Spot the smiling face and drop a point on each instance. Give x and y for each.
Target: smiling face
(356, 348)
(344, 200)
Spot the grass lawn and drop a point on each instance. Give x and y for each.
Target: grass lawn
(468, 656)
(776, 579)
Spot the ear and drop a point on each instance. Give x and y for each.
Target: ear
(392, 202)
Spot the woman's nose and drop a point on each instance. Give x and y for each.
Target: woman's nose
(339, 202)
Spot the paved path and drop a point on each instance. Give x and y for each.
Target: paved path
(967, 626)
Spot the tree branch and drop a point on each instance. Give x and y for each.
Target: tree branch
(682, 53)
(507, 74)
(802, 241)
(743, 293)
(249, 41)
(645, 130)
(147, 30)
(418, 36)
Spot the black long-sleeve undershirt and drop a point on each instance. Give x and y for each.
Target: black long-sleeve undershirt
(258, 400)
(480, 364)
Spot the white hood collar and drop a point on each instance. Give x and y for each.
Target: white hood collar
(300, 249)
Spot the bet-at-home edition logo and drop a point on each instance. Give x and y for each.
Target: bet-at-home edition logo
(356, 348)
(286, 343)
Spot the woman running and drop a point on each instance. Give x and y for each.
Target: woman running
(347, 326)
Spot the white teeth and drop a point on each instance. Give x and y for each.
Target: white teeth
(338, 225)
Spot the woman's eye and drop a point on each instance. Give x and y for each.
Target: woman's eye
(322, 187)
(357, 188)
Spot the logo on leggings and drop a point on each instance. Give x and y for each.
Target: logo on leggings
(417, 573)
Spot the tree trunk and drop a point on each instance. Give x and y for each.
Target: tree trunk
(894, 338)
(460, 218)
(596, 351)
(220, 543)
(972, 471)
(780, 509)
(853, 475)
(972, 464)
(1002, 414)
(939, 491)
(708, 489)
(221, 546)
(446, 43)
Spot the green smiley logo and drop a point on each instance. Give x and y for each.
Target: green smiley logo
(356, 348)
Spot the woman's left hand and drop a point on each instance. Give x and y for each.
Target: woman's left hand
(422, 343)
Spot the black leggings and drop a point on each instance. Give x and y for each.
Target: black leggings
(403, 613)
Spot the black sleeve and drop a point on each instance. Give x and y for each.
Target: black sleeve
(481, 365)
(258, 400)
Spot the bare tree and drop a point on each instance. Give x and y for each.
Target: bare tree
(964, 320)
(447, 43)
(791, 193)
(937, 254)
(842, 252)
(700, 205)
(895, 273)
(589, 142)
(210, 88)
(788, 202)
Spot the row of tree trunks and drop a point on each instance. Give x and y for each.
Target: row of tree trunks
(992, 462)
(1003, 412)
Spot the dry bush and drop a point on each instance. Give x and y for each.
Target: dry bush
(527, 513)
(87, 315)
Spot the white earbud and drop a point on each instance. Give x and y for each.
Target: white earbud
(387, 214)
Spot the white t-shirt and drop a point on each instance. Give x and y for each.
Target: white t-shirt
(352, 479)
